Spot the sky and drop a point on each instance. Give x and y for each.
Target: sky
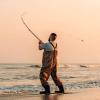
(76, 22)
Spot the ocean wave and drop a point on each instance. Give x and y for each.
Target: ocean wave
(35, 66)
(14, 68)
(25, 77)
(36, 88)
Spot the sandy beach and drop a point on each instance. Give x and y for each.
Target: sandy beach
(84, 94)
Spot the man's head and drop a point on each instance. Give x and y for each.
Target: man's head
(52, 37)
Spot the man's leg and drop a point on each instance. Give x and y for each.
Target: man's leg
(57, 80)
(44, 76)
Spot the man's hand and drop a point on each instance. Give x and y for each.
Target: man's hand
(40, 45)
(40, 42)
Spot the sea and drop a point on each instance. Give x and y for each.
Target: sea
(24, 78)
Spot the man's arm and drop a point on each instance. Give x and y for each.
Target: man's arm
(41, 45)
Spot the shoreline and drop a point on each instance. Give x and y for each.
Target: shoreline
(83, 94)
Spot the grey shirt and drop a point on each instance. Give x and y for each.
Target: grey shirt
(47, 46)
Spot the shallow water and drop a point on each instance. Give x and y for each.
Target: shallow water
(25, 77)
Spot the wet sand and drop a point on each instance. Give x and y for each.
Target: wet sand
(84, 94)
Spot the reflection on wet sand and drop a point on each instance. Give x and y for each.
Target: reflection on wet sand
(50, 97)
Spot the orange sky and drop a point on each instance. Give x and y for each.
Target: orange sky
(72, 20)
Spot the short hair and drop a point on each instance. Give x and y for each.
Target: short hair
(54, 36)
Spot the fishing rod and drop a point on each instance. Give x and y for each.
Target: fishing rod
(29, 28)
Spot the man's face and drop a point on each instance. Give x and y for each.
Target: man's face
(52, 38)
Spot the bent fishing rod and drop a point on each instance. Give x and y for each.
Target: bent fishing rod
(29, 28)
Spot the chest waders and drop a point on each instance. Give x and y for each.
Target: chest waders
(55, 52)
(49, 67)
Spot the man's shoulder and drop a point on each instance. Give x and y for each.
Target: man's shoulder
(49, 43)
(46, 43)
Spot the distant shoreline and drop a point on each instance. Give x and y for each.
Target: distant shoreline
(58, 63)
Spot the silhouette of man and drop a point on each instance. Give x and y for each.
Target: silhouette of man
(49, 64)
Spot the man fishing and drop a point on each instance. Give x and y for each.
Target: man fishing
(49, 64)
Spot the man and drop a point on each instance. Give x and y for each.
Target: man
(49, 64)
